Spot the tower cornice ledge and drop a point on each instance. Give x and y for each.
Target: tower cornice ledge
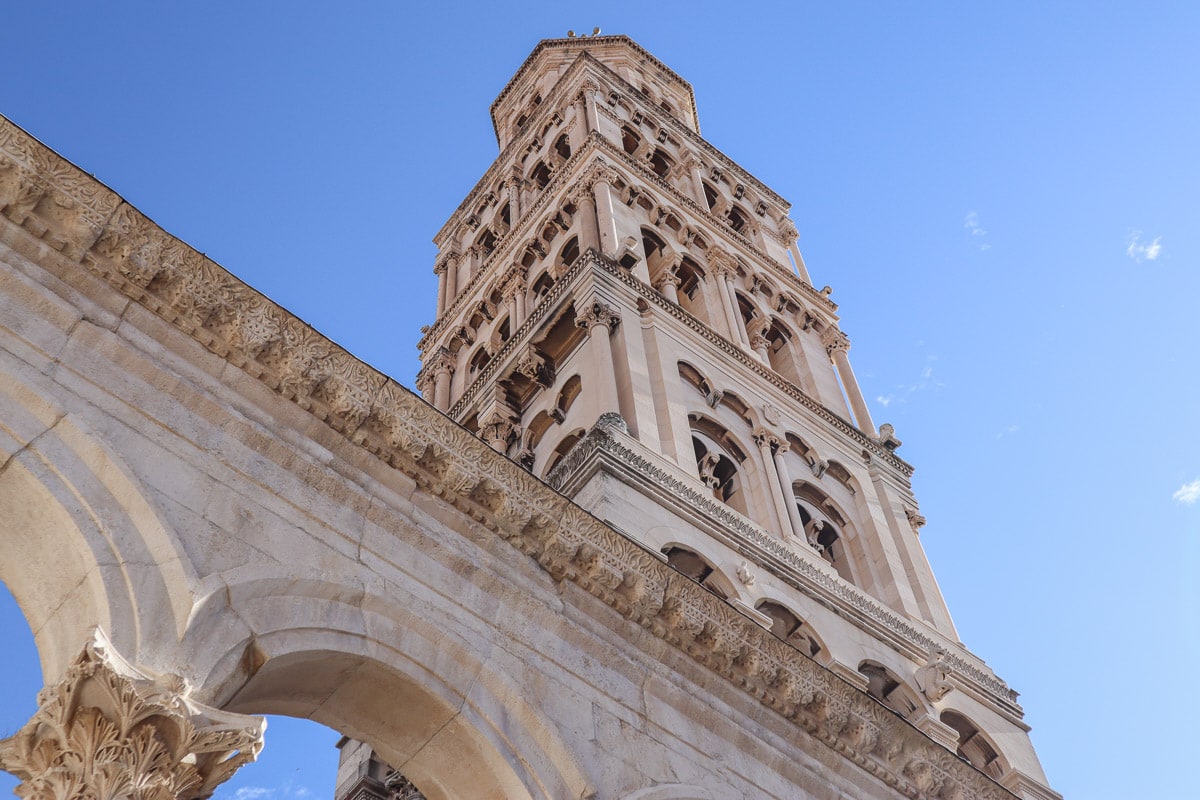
(99, 237)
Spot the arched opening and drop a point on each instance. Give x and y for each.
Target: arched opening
(791, 629)
(564, 446)
(691, 289)
(974, 747)
(823, 527)
(568, 254)
(629, 140)
(566, 397)
(562, 146)
(698, 568)
(710, 195)
(887, 688)
(540, 175)
(738, 219)
(717, 462)
(661, 163)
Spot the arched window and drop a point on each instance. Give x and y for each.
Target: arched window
(884, 686)
(661, 163)
(629, 140)
(974, 747)
(717, 462)
(566, 397)
(823, 527)
(562, 146)
(791, 629)
(568, 254)
(696, 567)
(691, 289)
(738, 219)
(540, 175)
(563, 447)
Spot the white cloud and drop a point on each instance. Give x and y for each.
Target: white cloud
(971, 223)
(1188, 494)
(252, 793)
(1009, 430)
(904, 391)
(1139, 251)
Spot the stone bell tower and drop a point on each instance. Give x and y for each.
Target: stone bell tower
(623, 310)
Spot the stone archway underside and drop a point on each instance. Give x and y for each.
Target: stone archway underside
(237, 501)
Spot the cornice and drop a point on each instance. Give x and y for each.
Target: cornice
(772, 553)
(139, 260)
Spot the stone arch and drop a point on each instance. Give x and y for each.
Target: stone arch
(374, 663)
(828, 528)
(793, 629)
(975, 747)
(82, 543)
(890, 689)
(695, 565)
(563, 447)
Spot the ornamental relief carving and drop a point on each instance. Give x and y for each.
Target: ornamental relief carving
(111, 732)
(306, 368)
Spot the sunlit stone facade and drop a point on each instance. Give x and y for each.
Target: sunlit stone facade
(665, 555)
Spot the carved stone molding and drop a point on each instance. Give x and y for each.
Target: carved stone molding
(111, 732)
(219, 313)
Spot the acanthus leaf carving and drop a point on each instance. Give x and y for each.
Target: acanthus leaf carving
(109, 730)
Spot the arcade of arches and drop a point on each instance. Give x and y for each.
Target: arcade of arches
(211, 512)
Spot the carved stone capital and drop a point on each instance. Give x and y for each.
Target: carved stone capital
(597, 314)
(764, 437)
(834, 340)
(109, 730)
(722, 262)
(441, 361)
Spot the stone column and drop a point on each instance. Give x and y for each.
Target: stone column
(791, 235)
(519, 290)
(785, 484)
(735, 313)
(497, 430)
(695, 168)
(599, 320)
(760, 344)
(443, 368)
(605, 218)
(589, 230)
(111, 731)
(514, 194)
(451, 281)
(837, 344)
(766, 441)
(439, 269)
(668, 285)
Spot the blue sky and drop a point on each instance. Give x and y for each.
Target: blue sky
(1005, 200)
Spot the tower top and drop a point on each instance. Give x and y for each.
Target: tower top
(551, 58)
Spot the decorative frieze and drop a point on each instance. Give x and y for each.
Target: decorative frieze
(237, 324)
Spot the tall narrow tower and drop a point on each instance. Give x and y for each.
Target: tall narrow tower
(623, 310)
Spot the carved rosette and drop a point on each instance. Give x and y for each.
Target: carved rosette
(107, 731)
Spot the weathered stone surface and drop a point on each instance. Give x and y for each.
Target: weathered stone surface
(238, 501)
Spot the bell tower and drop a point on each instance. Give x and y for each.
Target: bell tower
(624, 311)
